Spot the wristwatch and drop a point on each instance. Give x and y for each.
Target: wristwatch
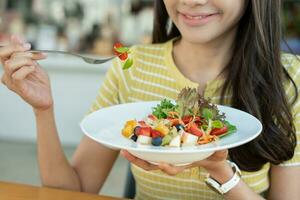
(225, 187)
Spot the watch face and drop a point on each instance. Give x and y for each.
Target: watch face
(213, 188)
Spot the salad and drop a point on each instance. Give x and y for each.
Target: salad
(123, 54)
(191, 120)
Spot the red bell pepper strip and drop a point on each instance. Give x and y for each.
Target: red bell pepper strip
(219, 131)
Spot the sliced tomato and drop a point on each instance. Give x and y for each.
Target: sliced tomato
(186, 119)
(197, 119)
(117, 45)
(123, 56)
(219, 131)
(146, 131)
(193, 129)
(155, 133)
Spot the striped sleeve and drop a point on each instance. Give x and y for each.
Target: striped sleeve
(108, 94)
(293, 66)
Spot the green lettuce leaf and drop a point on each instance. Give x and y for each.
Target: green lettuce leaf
(161, 110)
(122, 50)
(128, 63)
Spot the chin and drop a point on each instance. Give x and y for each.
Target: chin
(197, 38)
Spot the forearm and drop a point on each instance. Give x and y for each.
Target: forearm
(242, 191)
(55, 169)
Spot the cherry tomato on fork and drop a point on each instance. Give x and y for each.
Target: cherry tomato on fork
(118, 51)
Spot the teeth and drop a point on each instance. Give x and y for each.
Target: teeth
(194, 17)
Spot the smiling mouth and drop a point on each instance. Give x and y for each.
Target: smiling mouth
(198, 17)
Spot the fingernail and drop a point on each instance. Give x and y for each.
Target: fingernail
(27, 46)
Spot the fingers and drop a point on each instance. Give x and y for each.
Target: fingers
(19, 59)
(7, 51)
(17, 62)
(16, 44)
(7, 82)
(17, 77)
(139, 162)
(170, 169)
(12, 65)
(173, 170)
(33, 56)
(23, 73)
(166, 168)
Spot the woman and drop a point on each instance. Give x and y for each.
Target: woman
(229, 50)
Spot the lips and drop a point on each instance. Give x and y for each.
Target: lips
(197, 19)
(199, 16)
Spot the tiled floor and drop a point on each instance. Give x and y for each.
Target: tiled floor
(18, 163)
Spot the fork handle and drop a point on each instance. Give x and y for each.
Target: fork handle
(48, 51)
(52, 51)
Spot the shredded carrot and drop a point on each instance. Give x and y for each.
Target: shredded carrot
(174, 114)
(176, 121)
(203, 141)
(206, 139)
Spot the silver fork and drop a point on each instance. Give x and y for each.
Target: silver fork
(86, 59)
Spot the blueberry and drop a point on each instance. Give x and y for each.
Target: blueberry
(136, 130)
(156, 141)
(134, 137)
(179, 127)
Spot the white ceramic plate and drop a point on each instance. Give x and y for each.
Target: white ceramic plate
(105, 125)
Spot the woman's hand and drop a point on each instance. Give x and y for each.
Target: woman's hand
(24, 76)
(216, 165)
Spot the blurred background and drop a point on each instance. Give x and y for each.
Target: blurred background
(92, 27)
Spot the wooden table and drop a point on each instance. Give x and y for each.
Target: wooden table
(13, 191)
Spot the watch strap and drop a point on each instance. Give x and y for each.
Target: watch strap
(231, 183)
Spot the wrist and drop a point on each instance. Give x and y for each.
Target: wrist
(43, 111)
(221, 172)
(220, 183)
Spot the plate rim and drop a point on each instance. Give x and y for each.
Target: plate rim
(171, 150)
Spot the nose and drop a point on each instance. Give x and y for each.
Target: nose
(193, 2)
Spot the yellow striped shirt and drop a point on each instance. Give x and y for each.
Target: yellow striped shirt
(154, 76)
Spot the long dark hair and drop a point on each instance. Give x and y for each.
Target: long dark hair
(256, 81)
